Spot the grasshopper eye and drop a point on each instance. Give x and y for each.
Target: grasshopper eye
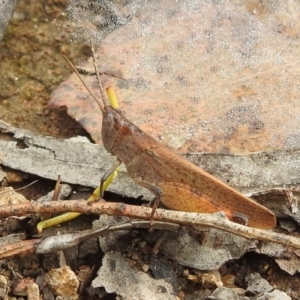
(109, 120)
(109, 130)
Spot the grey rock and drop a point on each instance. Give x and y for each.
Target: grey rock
(6, 11)
(275, 295)
(223, 293)
(257, 284)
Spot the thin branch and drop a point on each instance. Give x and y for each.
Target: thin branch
(19, 189)
(217, 220)
(64, 241)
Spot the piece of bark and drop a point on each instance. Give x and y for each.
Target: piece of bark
(78, 161)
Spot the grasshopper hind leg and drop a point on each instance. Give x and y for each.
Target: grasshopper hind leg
(179, 197)
(156, 191)
(154, 205)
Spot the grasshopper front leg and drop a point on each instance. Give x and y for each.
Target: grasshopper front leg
(106, 175)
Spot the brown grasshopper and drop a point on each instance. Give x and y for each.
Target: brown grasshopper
(177, 183)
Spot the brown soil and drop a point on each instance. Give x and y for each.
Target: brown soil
(32, 66)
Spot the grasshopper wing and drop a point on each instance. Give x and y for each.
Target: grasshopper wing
(161, 167)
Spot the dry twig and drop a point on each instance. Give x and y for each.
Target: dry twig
(217, 220)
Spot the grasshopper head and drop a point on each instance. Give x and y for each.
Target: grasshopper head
(111, 126)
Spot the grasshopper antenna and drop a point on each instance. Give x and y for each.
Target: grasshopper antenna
(104, 100)
(82, 81)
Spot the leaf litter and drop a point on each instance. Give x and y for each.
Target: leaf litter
(246, 118)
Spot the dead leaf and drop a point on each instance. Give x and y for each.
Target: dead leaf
(201, 76)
